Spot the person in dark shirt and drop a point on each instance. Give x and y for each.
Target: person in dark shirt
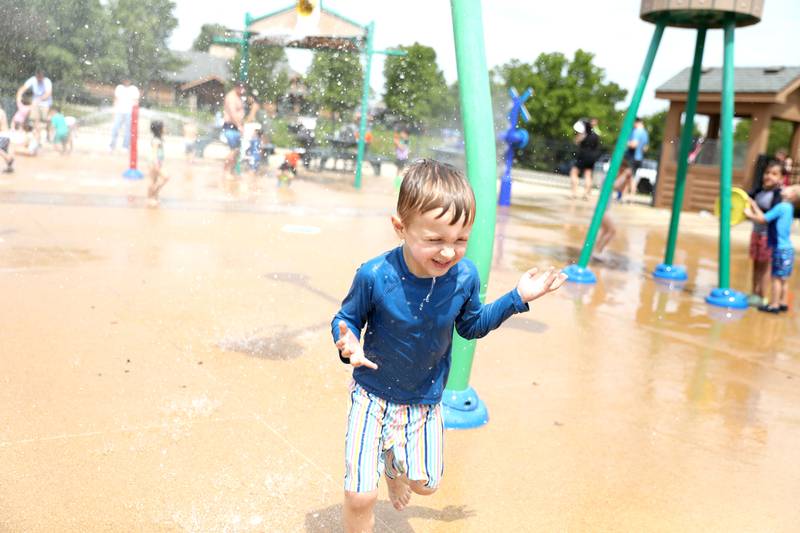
(585, 157)
(409, 299)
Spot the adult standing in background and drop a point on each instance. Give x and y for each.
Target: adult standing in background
(585, 157)
(233, 125)
(634, 155)
(126, 96)
(42, 89)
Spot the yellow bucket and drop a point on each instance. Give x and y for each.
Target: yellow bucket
(739, 200)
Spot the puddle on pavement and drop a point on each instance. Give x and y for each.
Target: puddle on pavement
(281, 345)
(44, 256)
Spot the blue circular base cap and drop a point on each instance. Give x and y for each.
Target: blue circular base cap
(727, 298)
(463, 409)
(133, 174)
(670, 272)
(578, 274)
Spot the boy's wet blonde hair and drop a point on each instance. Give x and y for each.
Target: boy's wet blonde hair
(430, 184)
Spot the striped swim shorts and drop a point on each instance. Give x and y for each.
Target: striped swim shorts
(414, 434)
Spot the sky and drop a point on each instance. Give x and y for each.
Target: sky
(517, 29)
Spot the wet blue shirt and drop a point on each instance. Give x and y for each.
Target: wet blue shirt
(782, 214)
(409, 324)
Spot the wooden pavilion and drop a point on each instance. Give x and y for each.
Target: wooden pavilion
(762, 94)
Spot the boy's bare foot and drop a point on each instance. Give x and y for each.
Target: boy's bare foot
(399, 491)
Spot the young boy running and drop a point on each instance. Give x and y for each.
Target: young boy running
(782, 249)
(409, 299)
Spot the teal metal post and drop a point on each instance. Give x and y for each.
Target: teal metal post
(362, 127)
(244, 64)
(463, 408)
(579, 273)
(667, 270)
(723, 295)
(726, 159)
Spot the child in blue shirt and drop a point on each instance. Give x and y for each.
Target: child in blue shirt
(409, 299)
(782, 250)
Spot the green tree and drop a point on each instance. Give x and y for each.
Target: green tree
(143, 28)
(334, 80)
(780, 134)
(268, 71)
(207, 33)
(564, 91)
(68, 39)
(415, 86)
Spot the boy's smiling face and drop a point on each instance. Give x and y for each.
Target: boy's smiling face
(772, 177)
(432, 245)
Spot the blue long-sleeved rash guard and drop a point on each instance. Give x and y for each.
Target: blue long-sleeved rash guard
(409, 324)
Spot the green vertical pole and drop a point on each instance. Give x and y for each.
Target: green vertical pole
(476, 115)
(726, 157)
(619, 148)
(244, 65)
(362, 127)
(686, 141)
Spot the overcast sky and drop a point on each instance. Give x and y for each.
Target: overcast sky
(611, 29)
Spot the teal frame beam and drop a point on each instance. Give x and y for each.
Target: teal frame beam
(667, 270)
(362, 126)
(726, 157)
(616, 160)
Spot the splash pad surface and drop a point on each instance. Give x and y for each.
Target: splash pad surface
(171, 369)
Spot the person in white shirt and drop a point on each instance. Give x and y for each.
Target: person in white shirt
(42, 89)
(126, 96)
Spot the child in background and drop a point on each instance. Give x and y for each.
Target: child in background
(253, 152)
(156, 171)
(782, 251)
(6, 152)
(608, 229)
(401, 154)
(61, 132)
(20, 118)
(190, 141)
(30, 144)
(409, 299)
(288, 169)
(766, 197)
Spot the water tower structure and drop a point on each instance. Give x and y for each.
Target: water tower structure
(701, 15)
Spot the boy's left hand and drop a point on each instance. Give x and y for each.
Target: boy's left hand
(534, 284)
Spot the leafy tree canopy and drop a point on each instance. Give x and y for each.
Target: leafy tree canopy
(416, 89)
(207, 33)
(334, 80)
(268, 71)
(564, 91)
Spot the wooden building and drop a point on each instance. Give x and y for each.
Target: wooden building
(763, 94)
(198, 84)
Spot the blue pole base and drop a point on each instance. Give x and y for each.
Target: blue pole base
(462, 409)
(505, 192)
(670, 272)
(133, 174)
(578, 274)
(727, 298)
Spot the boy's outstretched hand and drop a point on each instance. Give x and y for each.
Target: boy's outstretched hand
(533, 283)
(349, 346)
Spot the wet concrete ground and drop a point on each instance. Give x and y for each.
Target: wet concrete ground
(171, 369)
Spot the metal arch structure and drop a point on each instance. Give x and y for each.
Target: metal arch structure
(280, 28)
